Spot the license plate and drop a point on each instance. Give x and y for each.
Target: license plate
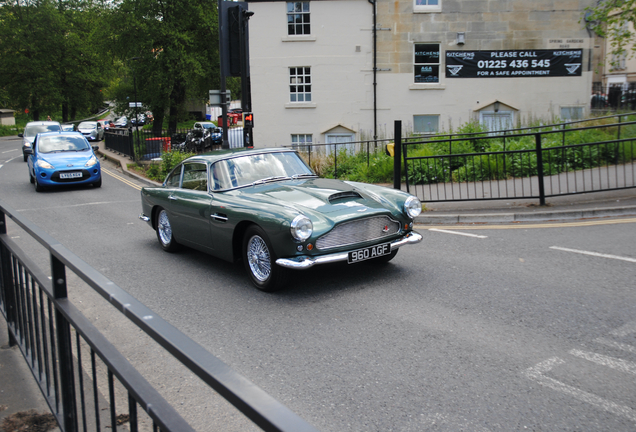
(369, 253)
(71, 175)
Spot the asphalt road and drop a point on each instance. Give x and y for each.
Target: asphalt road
(492, 329)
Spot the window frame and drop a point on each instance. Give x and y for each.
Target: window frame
(438, 64)
(431, 132)
(295, 14)
(304, 84)
(427, 8)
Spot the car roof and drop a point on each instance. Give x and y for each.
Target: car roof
(44, 122)
(218, 155)
(63, 133)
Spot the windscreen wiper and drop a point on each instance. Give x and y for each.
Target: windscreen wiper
(270, 179)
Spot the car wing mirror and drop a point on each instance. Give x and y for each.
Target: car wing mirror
(21, 135)
(95, 147)
(28, 150)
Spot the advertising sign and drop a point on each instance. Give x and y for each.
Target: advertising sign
(513, 63)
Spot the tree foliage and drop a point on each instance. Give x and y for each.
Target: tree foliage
(169, 52)
(616, 21)
(52, 56)
(68, 56)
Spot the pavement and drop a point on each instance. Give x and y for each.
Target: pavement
(19, 393)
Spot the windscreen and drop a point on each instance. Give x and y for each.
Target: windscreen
(245, 170)
(62, 143)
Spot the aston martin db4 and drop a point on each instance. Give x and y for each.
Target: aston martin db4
(268, 209)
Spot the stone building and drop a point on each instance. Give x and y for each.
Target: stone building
(338, 70)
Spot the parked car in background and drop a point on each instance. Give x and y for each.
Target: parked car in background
(122, 122)
(213, 135)
(32, 129)
(92, 130)
(105, 124)
(63, 158)
(268, 209)
(141, 118)
(68, 127)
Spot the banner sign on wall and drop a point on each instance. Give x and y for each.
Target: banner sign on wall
(513, 63)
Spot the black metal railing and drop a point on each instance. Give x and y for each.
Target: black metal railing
(74, 364)
(535, 165)
(311, 151)
(146, 144)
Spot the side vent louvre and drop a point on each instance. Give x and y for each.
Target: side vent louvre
(344, 195)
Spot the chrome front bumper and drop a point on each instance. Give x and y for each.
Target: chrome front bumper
(304, 262)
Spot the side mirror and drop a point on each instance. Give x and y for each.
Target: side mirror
(28, 150)
(21, 135)
(95, 148)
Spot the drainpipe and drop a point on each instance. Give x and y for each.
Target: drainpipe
(375, 72)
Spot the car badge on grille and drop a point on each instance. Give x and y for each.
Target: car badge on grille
(385, 229)
(69, 165)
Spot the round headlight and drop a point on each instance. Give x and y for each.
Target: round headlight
(413, 207)
(301, 228)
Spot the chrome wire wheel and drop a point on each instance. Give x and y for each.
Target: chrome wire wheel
(164, 232)
(164, 228)
(259, 258)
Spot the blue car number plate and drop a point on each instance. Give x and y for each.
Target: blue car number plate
(70, 175)
(369, 253)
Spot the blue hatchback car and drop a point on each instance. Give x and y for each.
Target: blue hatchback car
(63, 158)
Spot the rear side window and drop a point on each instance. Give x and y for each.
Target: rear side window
(174, 179)
(195, 176)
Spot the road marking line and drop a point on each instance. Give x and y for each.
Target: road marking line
(596, 254)
(536, 374)
(625, 330)
(122, 179)
(617, 345)
(458, 233)
(529, 225)
(75, 205)
(603, 360)
(9, 151)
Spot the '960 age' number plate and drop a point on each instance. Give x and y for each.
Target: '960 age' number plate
(369, 253)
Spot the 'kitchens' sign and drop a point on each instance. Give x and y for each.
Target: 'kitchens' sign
(513, 64)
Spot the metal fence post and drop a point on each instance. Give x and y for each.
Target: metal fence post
(397, 155)
(540, 169)
(7, 296)
(64, 347)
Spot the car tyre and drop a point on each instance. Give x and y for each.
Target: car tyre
(25, 156)
(36, 185)
(164, 232)
(31, 179)
(260, 262)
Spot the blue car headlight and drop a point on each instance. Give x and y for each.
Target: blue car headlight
(44, 164)
(92, 161)
(413, 207)
(301, 228)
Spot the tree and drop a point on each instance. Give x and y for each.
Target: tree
(174, 45)
(51, 55)
(616, 21)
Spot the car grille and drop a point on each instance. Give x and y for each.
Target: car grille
(358, 231)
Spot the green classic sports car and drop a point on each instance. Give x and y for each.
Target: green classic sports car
(267, 208)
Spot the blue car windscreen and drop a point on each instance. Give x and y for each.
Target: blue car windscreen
(55, 144)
